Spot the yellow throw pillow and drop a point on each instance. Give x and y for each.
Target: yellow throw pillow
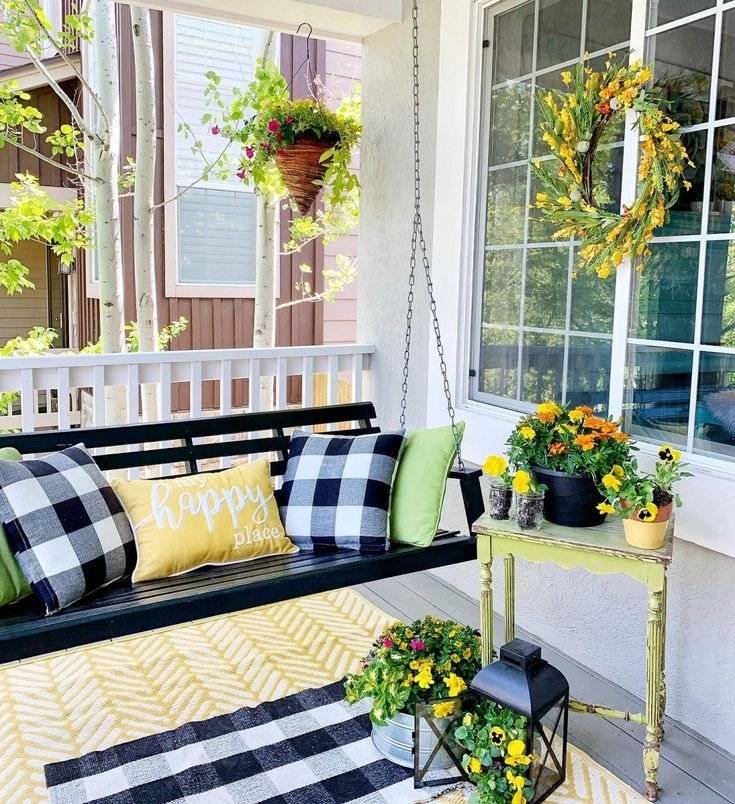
(182, 523)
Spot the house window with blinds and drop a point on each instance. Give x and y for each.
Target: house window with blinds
(215, 219)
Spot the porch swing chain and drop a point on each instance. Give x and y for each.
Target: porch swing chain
(418, 242)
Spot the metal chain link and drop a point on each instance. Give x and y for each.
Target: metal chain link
(418, 242)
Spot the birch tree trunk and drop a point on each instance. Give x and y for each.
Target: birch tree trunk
(143, 197)
(264, 324)
(106, 150)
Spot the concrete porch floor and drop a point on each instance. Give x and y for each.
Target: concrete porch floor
(693, 770)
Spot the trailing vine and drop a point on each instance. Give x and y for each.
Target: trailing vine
(574, 122)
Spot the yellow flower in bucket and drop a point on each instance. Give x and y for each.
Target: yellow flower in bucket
(495, 465)
(521, 482)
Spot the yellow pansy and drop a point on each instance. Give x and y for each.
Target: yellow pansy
(495, 465)
(648, 512)
(605, 508)
(611, 482)
(516, 748)
(475, 765)
(521, 482)
(668, 453)
(617, 471)
(455, 684)
(527, 432)
(444, 709)
(497, 735)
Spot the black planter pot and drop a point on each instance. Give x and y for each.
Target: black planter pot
(570, 499)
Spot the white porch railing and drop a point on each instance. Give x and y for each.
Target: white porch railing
(65, 390)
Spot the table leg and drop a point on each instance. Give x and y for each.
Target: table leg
(486, 612)
(663, 657)
(510, 598)
(654, 695)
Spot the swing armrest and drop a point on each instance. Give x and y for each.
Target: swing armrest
(469, 484)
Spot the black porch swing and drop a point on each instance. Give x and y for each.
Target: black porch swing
(123, 609)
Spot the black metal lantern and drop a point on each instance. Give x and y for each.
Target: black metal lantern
(524, 682)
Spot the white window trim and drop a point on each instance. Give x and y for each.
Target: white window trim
(704, 521)
(173, 286)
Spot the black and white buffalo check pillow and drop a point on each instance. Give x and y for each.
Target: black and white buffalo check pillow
(65, 525)
(336, 490)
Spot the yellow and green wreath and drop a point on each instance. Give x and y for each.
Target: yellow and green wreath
(573, 123)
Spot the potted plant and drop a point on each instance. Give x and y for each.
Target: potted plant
(644, 500)
(495, 754)
(501, 486)
(568, 449)
(429, 658)
(529, 500)
(299, 146)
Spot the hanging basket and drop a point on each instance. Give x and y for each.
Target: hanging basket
(300, 167)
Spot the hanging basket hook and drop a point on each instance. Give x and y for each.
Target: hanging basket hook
(310, 74)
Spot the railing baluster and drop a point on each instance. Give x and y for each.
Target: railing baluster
(281, 383)
(357, 361)
(133, 412)
(225, 401)
(307, 382)
(27, 401)
(195, 390)
(254, 386)
(332, 380)
(164, 397)
(98, 395)
(62, 403)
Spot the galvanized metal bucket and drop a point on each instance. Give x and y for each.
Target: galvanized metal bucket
(395, 741)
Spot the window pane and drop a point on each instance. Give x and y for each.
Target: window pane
(686, 214)
(513, 43)
(723, 181)
(657, 393)
(726, 77)
(593, 302)
(718, 314)
(666, 292)
(542, 363)
(510, 109)
(217, 237)
(588, 372)
(506, 206)
(501, 292)
(682, 64)
(560, 27)
(663, 11)
(547, 271)
(498, 374)
(608, 23)
(714, 429)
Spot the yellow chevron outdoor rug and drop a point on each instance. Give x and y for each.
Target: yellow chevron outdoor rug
(69, 704)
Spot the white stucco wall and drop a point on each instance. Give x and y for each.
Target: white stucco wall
(599, 621)
(386, 214)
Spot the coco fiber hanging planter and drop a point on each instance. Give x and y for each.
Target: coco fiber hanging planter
(302, 169)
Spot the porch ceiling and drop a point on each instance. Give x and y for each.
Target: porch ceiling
(342, 19)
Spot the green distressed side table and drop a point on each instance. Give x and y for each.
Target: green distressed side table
(599, 550)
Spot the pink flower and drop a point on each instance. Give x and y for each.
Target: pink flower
(241, 175)
(418, 644)
(250, 152)
(273, 125)
(387, 642)
(280, 151)
(215, 130)
(289, 119)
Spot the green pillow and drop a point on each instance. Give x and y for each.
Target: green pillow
(13, 584)
(420, 483)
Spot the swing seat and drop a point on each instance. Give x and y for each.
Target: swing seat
(122, 608)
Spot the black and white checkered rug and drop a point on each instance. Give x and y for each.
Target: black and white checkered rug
(308, 748)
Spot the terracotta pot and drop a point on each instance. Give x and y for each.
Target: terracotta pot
(300, 167)
(645, 535)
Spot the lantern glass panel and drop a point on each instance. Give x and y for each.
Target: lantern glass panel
(548, 769)
(437, 756)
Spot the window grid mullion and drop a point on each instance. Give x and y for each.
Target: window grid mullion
(624, 274)
(706, 194)
(527, 217)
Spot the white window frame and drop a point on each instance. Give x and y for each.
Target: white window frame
(173, 285)
(472, 237)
